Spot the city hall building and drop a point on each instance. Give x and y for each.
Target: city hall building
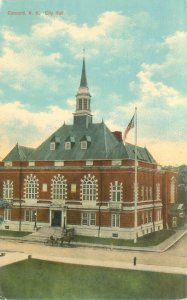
(82, 176)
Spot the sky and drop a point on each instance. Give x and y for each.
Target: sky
(136, 56)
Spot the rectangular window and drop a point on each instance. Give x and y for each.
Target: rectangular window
(52, 146)
(150, 216)
(116, 162)
(142, 193)
(7, 214)
(85, 218)
(146, 217)
(92, 219)
(158, 191)
(150, 193)
(83, 145)
(89, 163)
(27, 215)
(44, 187)
(115, 220)
(8, 163)
(89, 218)
(73, 188)
(31, 163)
(85, 104)
(147, 193)
(159, 214)
(116, 192)
(142, 217)
(67, 145)
(59, 163)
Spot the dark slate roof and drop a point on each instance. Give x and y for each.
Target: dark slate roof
(142, 153)
(18, 153)
(102, 144)
(83, 82)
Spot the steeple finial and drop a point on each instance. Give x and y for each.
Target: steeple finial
(83, 82)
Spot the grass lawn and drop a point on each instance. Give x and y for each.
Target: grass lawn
(13, 233)
(35, 279)
(151, 239)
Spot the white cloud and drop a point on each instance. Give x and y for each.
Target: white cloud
(175, 62)
(107, 23)
(31, 128)
(71, 102)
(23, 61)
(107, 33)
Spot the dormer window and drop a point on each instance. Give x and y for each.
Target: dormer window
(85, 142)
(52, 146)
(67, 145)
(69, 142)
(55, 141)
(84, 145)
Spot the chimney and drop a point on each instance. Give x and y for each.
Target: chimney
(118, 135)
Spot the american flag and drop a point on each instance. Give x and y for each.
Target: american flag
(129, 127)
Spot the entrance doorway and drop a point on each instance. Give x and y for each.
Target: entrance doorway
(56, 218)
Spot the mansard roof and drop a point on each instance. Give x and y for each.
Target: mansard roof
(19, 153)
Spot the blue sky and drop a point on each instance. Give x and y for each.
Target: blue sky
(136, 55)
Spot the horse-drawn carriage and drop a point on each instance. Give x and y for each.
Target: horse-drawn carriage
(66, 237)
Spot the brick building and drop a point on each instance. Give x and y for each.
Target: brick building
(82, 176)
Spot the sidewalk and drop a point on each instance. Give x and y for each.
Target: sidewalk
(155, 259)
(13, 257)
(165, 245)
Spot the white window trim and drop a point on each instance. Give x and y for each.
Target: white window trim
(7, 214)
(31, 187)
(52, 146)
(58, 188)
(88, 218)
(116, 190)
(8, 189)
(115, 220)
(89, 188)
(67, 145)
(84, 145)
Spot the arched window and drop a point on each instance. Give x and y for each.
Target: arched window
(8, 189)
(59, 188)
(116, 191)
(89, 188)
(172, 190)
(31, 187)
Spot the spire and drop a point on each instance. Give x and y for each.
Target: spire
(82, 114)
(83, 82)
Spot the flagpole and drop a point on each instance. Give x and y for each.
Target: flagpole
(135, 179)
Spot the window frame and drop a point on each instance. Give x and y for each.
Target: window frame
(31, 187)
(8, 189)
(89, 189)
(58, 188)
(88, 218)
(52, 146)
(84, 145)
(7, 214)
(115, 220)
